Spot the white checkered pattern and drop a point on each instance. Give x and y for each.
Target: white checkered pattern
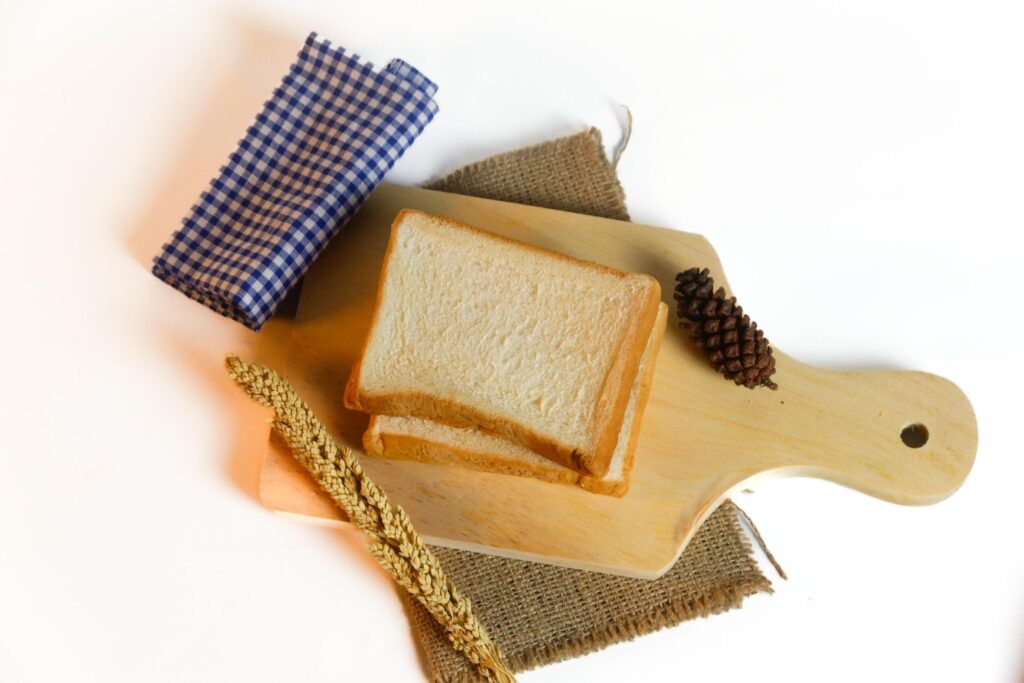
(328, 135)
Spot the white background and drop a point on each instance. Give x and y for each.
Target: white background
(858, 165)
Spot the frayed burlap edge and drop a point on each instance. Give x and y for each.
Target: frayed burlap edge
(569, 174)
(658, 618)
(715, 581)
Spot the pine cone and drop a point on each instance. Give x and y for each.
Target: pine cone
(730, 340)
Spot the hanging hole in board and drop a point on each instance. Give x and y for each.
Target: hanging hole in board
(914, 435)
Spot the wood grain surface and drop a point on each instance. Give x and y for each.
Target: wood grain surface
(702, 436)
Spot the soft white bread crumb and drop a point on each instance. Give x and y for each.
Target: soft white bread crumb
(476, 330)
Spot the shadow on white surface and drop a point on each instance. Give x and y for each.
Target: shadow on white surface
(205, 140)
(248, 420)
(213, 132)
(1020, 670)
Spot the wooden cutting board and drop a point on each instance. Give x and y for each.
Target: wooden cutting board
(702, 437)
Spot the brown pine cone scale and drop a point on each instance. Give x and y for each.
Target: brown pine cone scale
(729, 338)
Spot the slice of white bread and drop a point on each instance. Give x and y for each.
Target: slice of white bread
(414, 438)
(476, 330)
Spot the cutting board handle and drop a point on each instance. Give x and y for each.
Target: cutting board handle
(906, 437)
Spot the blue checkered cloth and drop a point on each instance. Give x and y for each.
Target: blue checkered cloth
(322, 143)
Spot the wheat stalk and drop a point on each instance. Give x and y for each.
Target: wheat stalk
(393, 540)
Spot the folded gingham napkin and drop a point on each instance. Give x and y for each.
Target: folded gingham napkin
(322, 143)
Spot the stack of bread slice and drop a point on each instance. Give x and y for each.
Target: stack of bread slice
(496, 355)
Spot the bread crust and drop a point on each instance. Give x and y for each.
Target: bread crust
(619, 487)
(615, 389)
(618, 383)
(407, 447)
(429, 407)
(351, 397)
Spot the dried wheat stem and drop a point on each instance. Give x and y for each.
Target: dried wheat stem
(393, 541)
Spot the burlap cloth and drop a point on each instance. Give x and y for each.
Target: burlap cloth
(538, 614)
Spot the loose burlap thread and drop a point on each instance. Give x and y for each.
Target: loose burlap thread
(539, 614)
